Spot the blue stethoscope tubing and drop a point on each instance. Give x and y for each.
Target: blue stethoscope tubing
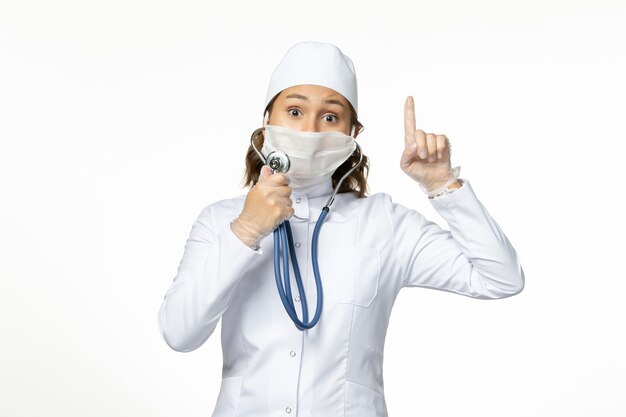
(282, 238)
(283, 246)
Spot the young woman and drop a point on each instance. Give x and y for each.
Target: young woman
(368, 249)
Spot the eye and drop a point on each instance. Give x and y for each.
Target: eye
(291, 110)
(331, 116)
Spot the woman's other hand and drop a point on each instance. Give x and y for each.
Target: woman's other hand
(426, 156)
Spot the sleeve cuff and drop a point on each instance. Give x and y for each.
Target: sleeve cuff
(458, 194)
(234, 243)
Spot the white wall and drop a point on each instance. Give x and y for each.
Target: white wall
(121, 120)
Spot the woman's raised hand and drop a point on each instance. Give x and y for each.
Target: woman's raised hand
(267, 205)
(426, 156)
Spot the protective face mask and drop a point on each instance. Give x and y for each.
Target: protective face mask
(313, 156)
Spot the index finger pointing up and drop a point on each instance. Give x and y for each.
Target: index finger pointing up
(409, 121)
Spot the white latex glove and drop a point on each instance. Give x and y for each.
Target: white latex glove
(426, 156)
(267, 205)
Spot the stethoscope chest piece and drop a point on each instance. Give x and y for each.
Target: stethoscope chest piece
(278, 161)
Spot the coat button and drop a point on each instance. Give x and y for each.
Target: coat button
(297, 298)
(288, 410)
(297, 244)
(298, 200)
(292, 353)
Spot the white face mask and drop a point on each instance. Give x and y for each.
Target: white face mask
(313, 156)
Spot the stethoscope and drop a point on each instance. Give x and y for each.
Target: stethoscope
(283, 244)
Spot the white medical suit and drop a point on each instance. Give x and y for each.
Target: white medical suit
(369, 249)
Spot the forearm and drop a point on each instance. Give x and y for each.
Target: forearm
(483, 242)
(456, 184)
(203, 288)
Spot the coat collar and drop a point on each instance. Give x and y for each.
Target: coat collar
(323, 189)
(316, 199)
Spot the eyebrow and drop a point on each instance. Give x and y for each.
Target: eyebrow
(305, 98)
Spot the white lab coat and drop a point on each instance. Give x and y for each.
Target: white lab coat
(369, 249)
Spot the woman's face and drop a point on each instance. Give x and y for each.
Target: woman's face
(311, 108)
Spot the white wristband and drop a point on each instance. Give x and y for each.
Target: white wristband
(444, 188)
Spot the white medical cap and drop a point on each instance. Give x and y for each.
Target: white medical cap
(315, 63)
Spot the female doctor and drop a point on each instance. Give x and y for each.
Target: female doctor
(368, 249)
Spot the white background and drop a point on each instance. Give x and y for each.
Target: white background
(121, 120)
